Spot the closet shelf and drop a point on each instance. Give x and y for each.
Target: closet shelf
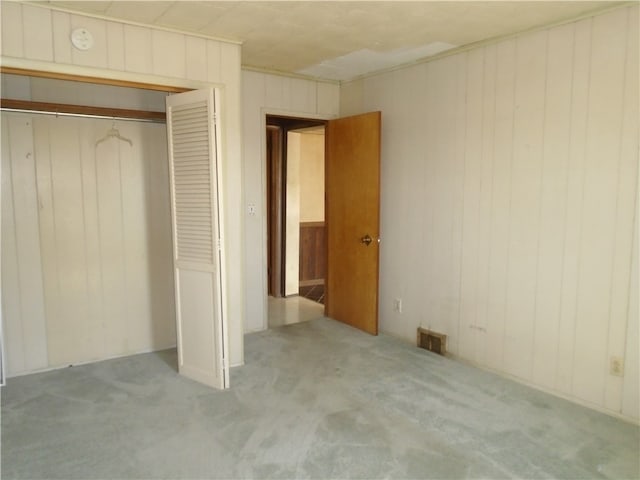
(63, 109)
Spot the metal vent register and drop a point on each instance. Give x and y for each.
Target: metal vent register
(432, 341)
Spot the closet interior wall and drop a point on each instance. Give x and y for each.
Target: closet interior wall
(86, 231)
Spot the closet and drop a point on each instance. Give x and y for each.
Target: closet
(87, 269)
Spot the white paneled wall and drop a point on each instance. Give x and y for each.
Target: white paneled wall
(23, 312)
(86, 241)
(36, 37)
(37, 33)
(509, 189)
(264, 93)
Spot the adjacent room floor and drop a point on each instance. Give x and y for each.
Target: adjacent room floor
(315, 399)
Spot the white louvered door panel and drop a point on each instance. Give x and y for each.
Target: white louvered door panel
(197, 236)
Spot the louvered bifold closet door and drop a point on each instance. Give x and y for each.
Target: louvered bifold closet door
(197, 238)
(193, 183)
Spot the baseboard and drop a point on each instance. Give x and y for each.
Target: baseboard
(87, 362)
(555, 393)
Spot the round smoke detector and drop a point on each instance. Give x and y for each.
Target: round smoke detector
(82, 39)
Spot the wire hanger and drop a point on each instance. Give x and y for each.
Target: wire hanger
(113, 132)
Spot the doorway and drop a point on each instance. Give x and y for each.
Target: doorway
(296, 243)
(352, 203)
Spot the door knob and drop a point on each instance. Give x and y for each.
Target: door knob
(366, 239)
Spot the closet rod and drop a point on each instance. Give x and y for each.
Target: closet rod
(81, 115)
(83, 111)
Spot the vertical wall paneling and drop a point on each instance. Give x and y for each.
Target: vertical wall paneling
(553, 203)
(486, 194)
(96, 320)
(48, 248)
(444, 185)
(626, 188)
(135, 240)
(500, 201)
(12, 318)
(602, 159)
(327, 98)
(418, 216)
(67, 329)
(37, 36)
(628, 185)
(214, 66)
(471, 213)
(631, 387)
(313, 252)
(275, 95)
(138, 52)
(526, 183)
(168, 49)
(25, 213)
(528, 151)
(195, 51)
(12, 33)
(90, 259)
(458, 205)
(230, 75)
(395, 129)
(109, 158)
(351, 98)
(426, 217)
(61, 45)
(115, 46)
(581, 65)
(304, 95)
(159, 269)
(23, 301)
(254, 171)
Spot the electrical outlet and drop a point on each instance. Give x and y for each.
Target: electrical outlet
(616, 366)
(397, 305)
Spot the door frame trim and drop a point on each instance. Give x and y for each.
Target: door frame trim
(264, 112)
(101, 76)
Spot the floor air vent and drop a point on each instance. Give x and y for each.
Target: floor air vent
(432, 341)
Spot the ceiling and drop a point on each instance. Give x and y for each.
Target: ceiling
(340, 40)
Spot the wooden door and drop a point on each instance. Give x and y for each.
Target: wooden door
(353, 220)
(197, 236)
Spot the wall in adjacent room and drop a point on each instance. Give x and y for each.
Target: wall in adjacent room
(312, 177)
(305, 197)
(509, 187)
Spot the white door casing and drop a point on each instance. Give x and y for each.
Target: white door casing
(195, 176)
